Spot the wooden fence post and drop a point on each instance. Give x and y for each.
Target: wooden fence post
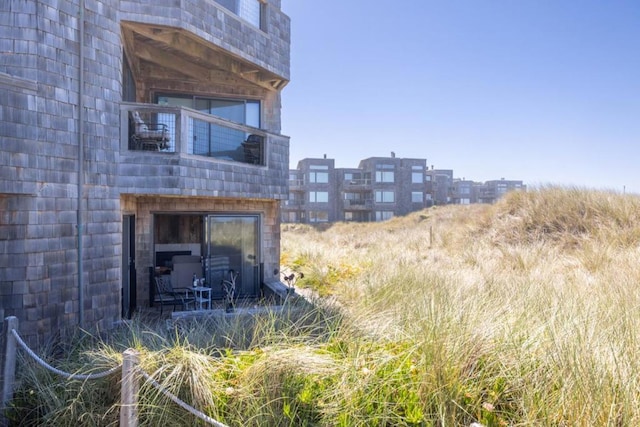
(9, 367)
(129, 389)
(430, 235)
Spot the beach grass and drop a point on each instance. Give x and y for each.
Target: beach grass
(525, 312)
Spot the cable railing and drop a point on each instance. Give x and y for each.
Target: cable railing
(180, 130)
(130, 384)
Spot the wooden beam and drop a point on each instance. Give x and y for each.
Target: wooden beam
(128, 40)
(173, 62)
(198, 51)
(189, 55)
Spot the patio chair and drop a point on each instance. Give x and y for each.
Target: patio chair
(165, 294)
(185, 267)
(148, 136)
(253, 149)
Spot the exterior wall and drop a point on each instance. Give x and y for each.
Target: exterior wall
(40, 148)
(462, 192)
(358, 188)
(405, 185)
(402, 185)
(167, 174)
(313, 208)
(439, 185)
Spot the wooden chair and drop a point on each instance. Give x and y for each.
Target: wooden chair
(148, 136)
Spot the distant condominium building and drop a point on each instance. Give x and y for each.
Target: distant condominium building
(464, 192)
(378, 189)
(439, 184)
(491, 191)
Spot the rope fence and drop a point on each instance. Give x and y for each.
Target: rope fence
(63, 374)
(183, 405)
(130, 384)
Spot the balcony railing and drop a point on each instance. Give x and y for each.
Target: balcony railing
(161, 130)
(355, 204)
(357, 182)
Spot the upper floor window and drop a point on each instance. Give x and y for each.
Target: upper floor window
(243, 111)
(249, 10)
(384, 173)
(210, 138)
(385, 197)
(416, 178)
(385, 176)
(237, 110)
(317, 177)
(318, 197)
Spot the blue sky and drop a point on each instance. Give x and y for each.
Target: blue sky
(546, 91)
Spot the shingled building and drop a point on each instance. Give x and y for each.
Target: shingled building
(132, 131)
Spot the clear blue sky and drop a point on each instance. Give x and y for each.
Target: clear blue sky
(546, 91)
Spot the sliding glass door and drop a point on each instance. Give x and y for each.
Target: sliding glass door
(233, 243)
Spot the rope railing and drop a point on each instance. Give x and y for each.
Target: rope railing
(59, 372)
(175, 399)
(129, 384)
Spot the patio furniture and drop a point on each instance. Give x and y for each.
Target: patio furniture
(184, 267)
(166, 294)
(147, 135)
(253, 149)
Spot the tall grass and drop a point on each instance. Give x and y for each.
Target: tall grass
(525, 312)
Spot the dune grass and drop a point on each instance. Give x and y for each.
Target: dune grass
(525, 312)
(521, 313)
